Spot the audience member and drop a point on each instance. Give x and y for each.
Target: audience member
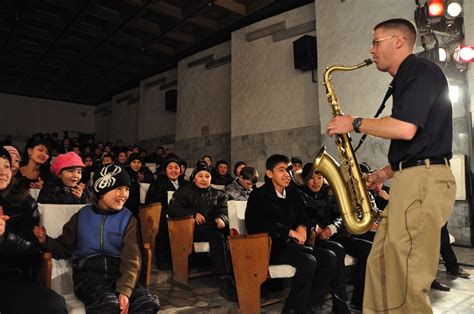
(240, 188)
(221, 174)
(239, 165)
(277, 208)
(15, 158)
(65, 186)
(209, 207)
(20, 255)
(158, 193)
(36, 169)
(138, 174)
(331, 234)
(104, 241)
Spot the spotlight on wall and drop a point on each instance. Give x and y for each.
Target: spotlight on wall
(454, 8)
(464, 54)
(442, 54)
(454, 93)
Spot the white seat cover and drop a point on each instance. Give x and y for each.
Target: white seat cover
(281, 271)
(34, 193)
(54, 217)
(143, 190)
(201, 247)
(218, 187)
(236, 211)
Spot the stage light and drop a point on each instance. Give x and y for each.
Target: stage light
(464, 54)
(454, 93)
(435, 8)
(454, 8)
(443, 55)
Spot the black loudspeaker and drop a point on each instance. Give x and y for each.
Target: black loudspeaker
(171, 100)
(304, 51)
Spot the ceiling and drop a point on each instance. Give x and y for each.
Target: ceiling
(87, 51)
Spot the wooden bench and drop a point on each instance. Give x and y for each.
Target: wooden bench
(251, 259)
(181, 234)
(57, 274)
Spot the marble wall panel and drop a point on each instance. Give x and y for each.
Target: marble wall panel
(203, 95)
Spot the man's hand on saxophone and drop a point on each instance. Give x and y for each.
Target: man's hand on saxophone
(340, 124)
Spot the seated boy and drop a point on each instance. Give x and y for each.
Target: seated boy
(240, 188)
(278, 209)
(331, 234)
(104, 242)
(209, 208)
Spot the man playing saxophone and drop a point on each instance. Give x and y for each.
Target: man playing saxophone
(404, 256)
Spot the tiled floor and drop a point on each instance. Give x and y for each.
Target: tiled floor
(204, 296)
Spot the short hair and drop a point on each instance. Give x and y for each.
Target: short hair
(249, 173)
(405, 26)
(296, 160)
(222, 162)
(274, 160)
(109, 156)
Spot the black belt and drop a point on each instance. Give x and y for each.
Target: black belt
(424, 162)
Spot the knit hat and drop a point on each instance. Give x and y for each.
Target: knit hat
(12, 150)
(5, 154)
(110, 177)
(200, 166)
(170, 160)
(296, 160)
(66, 160)
(135, 156)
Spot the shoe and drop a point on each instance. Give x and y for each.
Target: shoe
(227, 289)
(163, 264)
(340, 306)
(291, 310)
(356, 303)
(438, 286)
(461, 273)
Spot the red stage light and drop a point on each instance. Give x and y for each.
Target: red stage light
(435, 8)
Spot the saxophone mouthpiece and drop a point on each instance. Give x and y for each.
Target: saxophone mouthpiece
(369, 61)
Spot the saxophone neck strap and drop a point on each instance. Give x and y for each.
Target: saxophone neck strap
(377, 114)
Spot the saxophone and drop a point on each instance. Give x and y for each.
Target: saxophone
(346, 180)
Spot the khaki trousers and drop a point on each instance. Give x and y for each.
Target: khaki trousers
(405, 253)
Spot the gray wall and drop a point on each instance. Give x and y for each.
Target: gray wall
(203, 102)
(23, 116)
(156, 126)
(274, 106)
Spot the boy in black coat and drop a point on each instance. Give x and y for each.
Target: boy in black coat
(277, 209)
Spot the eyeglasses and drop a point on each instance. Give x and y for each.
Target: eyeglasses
(376, 42)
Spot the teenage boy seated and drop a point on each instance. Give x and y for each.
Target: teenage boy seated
(331, 234)
(240, 188)
(278, 209)
(209, 208)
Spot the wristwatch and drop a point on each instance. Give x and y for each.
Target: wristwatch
(356, 124)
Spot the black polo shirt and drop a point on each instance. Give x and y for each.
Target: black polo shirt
(421, 97)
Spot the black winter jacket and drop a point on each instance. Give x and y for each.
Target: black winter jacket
(20, 255)
(189, 200)
(158, 191)
(55, 192)
(266, 212)
(322, 208)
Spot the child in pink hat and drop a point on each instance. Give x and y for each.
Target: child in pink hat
(65, 187)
